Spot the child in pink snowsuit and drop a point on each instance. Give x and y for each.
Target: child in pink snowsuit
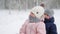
(35, 24)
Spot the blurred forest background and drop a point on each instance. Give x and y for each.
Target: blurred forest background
(28, 4)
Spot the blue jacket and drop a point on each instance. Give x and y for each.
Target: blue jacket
(50, 26)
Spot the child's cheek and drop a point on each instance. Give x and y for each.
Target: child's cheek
(32, 15)
(45, 16)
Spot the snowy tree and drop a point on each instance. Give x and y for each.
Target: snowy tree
(28, 4)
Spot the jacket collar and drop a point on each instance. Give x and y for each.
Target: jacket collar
(51, 20)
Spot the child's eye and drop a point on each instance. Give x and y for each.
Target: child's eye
(37, 12)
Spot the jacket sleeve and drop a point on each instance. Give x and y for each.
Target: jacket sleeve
(41, 29)
(23, 28)
(53, 29)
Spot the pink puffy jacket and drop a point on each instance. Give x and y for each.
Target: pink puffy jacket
(33, 28)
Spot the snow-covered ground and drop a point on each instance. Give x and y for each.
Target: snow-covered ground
(12, 20)
(57, 19)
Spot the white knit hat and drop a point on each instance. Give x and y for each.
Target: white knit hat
(38, 11)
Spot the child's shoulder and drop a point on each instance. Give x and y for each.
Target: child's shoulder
(27, 21)
(52, 17)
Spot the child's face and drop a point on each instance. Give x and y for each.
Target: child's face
(46, 16)
(31, 14)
